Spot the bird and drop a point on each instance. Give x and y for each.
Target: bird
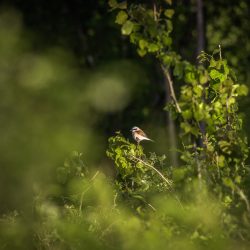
(139, 135)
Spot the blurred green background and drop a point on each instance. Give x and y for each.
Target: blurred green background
(69, 80)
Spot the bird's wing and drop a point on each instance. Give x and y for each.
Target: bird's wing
(140, 132)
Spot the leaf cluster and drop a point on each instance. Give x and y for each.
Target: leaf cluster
(215, 148)
(138, 175)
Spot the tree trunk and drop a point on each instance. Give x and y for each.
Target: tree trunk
(171, 128)
(200, 47)
(200, 27)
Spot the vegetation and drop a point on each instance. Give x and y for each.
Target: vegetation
(188, 189)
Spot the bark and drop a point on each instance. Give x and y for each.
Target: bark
(200, 47)
(171, 128)
(200, 27)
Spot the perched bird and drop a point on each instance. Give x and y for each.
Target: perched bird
(139, 135)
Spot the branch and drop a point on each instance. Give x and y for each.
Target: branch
(162, 176)
(156, 170)
(171, 88)
(220, 52)
(91, 180)
(155, 11)
(243, 197)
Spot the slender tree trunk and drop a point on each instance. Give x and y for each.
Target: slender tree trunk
(200, 47)
(171, 128)
(200, 27)
(169, 95)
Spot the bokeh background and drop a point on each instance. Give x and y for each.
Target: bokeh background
(69, 80)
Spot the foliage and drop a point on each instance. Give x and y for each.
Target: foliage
(203, 204)
(215, 150)
(209, 104)
(138, 175)
(149, 30)
(89, 211)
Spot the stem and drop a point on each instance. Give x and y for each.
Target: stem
(155, 10)
(220, 51)
(171, 128)
(91, 180)
(200, 27)
(171, 88)
(156, 170)
(153, 208)
(243, 197)
(197, 161)
(162, 176)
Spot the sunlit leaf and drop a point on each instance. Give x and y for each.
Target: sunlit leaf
(127, 27)
(141, 52)
(121, 17)
(152, 47)
(242, 90)
(169, 13)
(143, 44)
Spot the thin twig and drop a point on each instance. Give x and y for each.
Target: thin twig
(155, 11)
(152, 207)
(220, 51)
(171, 87)
(91, 180)
(114, 201)
(243, 197)
(156, 170)
(162, 176)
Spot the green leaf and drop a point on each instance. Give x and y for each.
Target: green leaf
(112, 3)
(190, 77)
(143, 44)
(238, 179)
(115, 5)
(189, 129)
(169, 25)
(152, 47)
(167, 41)
(198, 90)
(225, 146)
(242, 90)
(178, 70)
(228, 182)
(134, 37)
(221, 160)
(203, 78)
(127, 28)
(122, 5)
(225, 67)
(141, 52)
(186, 127)
(167, 60)
(213, 63)
(121, 17)
(199, 114)
(169, 13)
(187, 114)
(214, 74)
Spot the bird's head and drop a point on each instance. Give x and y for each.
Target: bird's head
(134, 129)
